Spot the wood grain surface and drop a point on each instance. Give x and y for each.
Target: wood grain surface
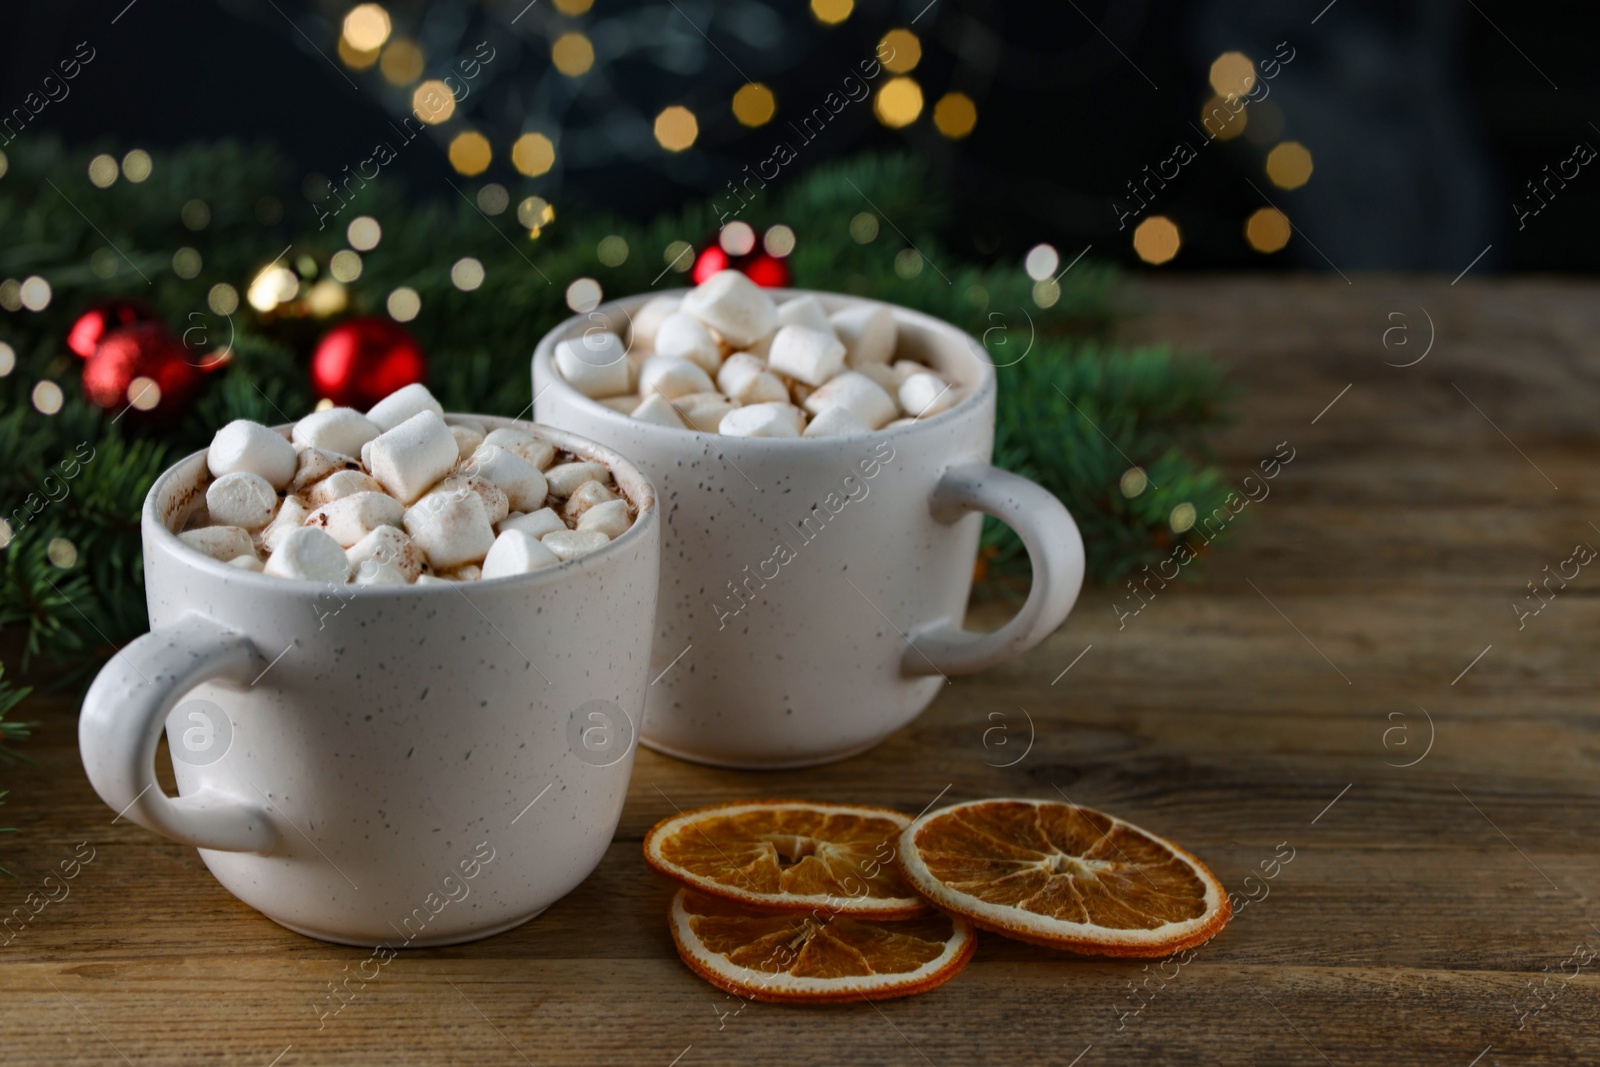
(1348, 678)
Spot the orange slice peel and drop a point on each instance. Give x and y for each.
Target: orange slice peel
(760, 955)
(789, 856)
(1064, 877)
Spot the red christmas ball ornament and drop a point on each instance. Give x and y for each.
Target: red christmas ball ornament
(101, 319)
(143, 367)
(359, 362)
(763, 268)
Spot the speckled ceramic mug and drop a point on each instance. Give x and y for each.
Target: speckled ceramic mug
(812, 590)
(398, 765)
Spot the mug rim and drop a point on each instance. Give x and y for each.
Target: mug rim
(152, 524)
(544, 359)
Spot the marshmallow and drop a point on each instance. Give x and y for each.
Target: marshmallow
(342, 430)
(379, 574)
(467, 439)
(733, 305)
(924, 394)
(349, 519)
(430, 579)
(533, 449)
(865, 398)
(897, 423)
(672, 377)
(594, 364)
(387, 547)
(241, 499)
(804, 311)
(411, 458)
(495, 503)
(243, 445)
(517, 552)
(291, 516)
(686, 337)
(470, 572)
(401, 405)
(223, 543)
(659, 410)
(807, 355)
(309, 553)
(451, 528)
(610, 517)
(522, 483)
(246, 563)
(646, 322)
(570, 544)
(905, 368)
(703, 411)
(834, 422)
(467, 424)
(747, 380)
(537, 523)
(563, 478)
(623, 404)
(341, 484)
(366, 455)
(763, 420)
(884, 375)
(587, 496)
(313, 464)
(868, 332)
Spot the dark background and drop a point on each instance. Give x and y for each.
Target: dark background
(1424, 118)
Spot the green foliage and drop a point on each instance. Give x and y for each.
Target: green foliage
(1064, 391)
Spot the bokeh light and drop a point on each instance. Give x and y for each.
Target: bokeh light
(533, 154)
(493, 199)
(1182, 517)
(737, 238)
(186, 262)
(47, 397)
(273, 286)
(955, 115)
(678, 256)
(223, 299)
(136, 166)
(363, 233)
(103, 170)
(1133, 482)
(535, 212)
(898, 103)
(573, 7)
(62, 552)
(470, 153)
(402, 62)
(908, 263)
(144, 393)
(466, 274)
(1222, 121)
(8, 359)
(432, 102)
(404, 304)
(1267, 230)
(196, 215)
(903, 49)
(1041, 262)
(754, 104)
(35, 293)
(345, 265)
(778, 241)
(864, 228)
(612, 251)
(1156, 239)
(832, 12)
(572, 54)
(1289, 165)
(583, 295)
(676, 128)
(366, 27)
(1232, 74)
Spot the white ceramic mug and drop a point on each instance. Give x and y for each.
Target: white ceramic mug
(812, 590)
(400, 765)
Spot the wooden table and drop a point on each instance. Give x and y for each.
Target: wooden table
(1361, 620)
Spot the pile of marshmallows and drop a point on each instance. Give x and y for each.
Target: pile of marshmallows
(427, 501)
(727, 359)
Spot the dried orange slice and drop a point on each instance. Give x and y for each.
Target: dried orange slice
(758, 954)
(788, 855)
(1063, 876)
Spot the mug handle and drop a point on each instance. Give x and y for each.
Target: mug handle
(125, 713)
(1054, 547)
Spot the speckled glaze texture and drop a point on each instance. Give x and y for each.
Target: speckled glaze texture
(384, 740)
(812, 590)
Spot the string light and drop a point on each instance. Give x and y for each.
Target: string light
(470, 153)
(754, 104)
(955, 115)
(676, 128)
(1267, 230)
(898, 103)
(1156, 240)
(904, 51)
(1289, 165)
(533, 154)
